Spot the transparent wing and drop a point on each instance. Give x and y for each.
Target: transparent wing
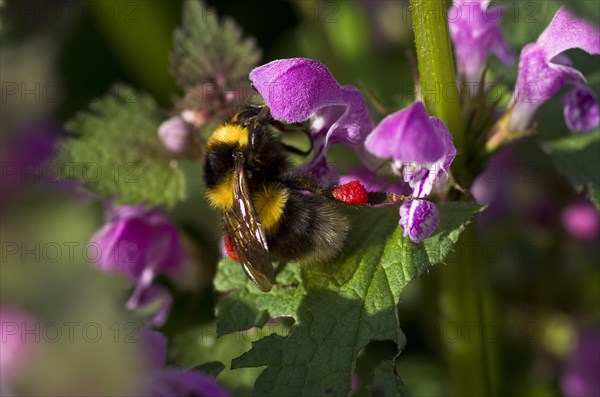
(246, 232)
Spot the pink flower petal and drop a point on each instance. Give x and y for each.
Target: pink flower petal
(406, 136)
(567, 31)
(419, 219)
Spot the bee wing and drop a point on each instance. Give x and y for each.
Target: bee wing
(246, 232)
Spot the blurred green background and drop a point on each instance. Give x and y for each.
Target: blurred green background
(59, 55)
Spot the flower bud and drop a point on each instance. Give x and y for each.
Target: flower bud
(174, 134)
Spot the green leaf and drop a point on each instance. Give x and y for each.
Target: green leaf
(200, 348)
(386, 382)
(576, 156)
(116, 151)
(338, 308)
(248, 306)
(212, 369)
(206, 50)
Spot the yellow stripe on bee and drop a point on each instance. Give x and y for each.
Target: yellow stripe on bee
(221, 196)
(269, 203)
(229, 133)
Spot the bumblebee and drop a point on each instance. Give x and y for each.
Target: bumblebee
(270, 211)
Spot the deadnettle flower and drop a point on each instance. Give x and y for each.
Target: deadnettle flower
(475, 32)
(580, 378)
(581, 109)
(299, 89)
(421, 149)
(159, 381)
(544, 70)
(140, 244)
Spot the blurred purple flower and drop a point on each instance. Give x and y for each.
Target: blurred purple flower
(422, 150)
(475, 32)
(146, 295)
(581, 109)
(581, 220)
(140, 244)
(581, 377)
(15, 347)
(171, 382)
(543, 71)
(153, 346)
(297, 89)
(25, 153)
(492, 186)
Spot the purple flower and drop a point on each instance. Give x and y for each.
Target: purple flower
(581, 377)
(170, 382)
(581, 109)
(15, 349)
(421, 148)
(492, 186)
(153, 346)
(419, 219)
(475, 32)
(299, 89)
(543, 71)
(140, 244)
(25, 155)
(17, 346)
(581, 220)
(173, 382)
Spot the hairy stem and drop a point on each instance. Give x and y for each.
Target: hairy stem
(465, 303)
(436, 65)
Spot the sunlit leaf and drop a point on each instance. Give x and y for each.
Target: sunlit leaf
(209, 50)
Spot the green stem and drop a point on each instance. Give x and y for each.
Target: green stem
(436, 65)
(469, 334)
(464, 302)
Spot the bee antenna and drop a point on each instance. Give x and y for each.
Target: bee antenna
(294, 127)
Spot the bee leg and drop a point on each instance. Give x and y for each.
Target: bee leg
(294, 127)
(297, 151)
(305, 182)
(264, 116)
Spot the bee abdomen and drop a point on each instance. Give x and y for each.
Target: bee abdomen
(312, 230)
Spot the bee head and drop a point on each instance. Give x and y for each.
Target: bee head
(264, 154)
